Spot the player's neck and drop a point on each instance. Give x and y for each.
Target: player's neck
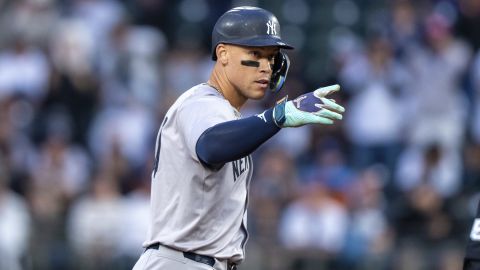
(225, 88)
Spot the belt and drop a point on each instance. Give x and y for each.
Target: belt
(197, 257)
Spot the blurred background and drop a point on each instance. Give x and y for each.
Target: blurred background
(84, 85)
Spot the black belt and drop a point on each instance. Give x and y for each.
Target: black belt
(197, 257)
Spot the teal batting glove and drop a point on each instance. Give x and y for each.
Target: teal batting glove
(310, 108)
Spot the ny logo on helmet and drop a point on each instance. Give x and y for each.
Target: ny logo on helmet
(271, 28)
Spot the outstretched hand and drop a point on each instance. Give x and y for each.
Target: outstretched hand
(309, 108)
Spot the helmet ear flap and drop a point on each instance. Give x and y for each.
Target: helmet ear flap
(279, 71)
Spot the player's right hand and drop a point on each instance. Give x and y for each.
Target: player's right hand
(309, 108)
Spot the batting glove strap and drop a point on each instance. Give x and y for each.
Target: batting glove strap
(279, 112)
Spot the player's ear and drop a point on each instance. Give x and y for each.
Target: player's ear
(222, 53)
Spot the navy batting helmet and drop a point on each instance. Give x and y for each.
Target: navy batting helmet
(247, 26)
(255, 27)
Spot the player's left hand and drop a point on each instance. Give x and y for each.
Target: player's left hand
(310, 108)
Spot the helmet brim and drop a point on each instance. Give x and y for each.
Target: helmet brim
(267, 41)
(261, 42)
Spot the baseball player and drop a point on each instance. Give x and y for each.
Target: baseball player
(472, 254)
(203, 166)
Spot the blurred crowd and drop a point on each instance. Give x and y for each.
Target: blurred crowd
(84, 85)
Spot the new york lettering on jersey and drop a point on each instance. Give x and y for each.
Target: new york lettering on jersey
(240, 166)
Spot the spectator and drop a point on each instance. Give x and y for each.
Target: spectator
(474, 125)
(24, 71)
(330, 167)
(438, 67)
(135, 217)
(370, 236)
(74, 86)
(314, 224)
(438, 167)
(271, 192)
(468, 19)
(59, 174)
(377, 82)
(421, 216)
(32, 20)
(94, 223)
(14, 225)
(404, 26)
(131, 65)
(126, 128)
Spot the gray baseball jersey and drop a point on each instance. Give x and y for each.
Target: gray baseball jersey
(194, 208)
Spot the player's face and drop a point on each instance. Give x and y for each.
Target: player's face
(249, 69)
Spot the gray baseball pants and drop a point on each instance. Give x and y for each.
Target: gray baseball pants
(165, 258)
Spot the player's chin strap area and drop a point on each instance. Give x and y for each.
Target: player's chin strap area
(279, 70)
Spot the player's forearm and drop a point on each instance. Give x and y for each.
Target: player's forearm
(235, 139)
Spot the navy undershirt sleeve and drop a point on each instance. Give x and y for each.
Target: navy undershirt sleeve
(234, 139)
